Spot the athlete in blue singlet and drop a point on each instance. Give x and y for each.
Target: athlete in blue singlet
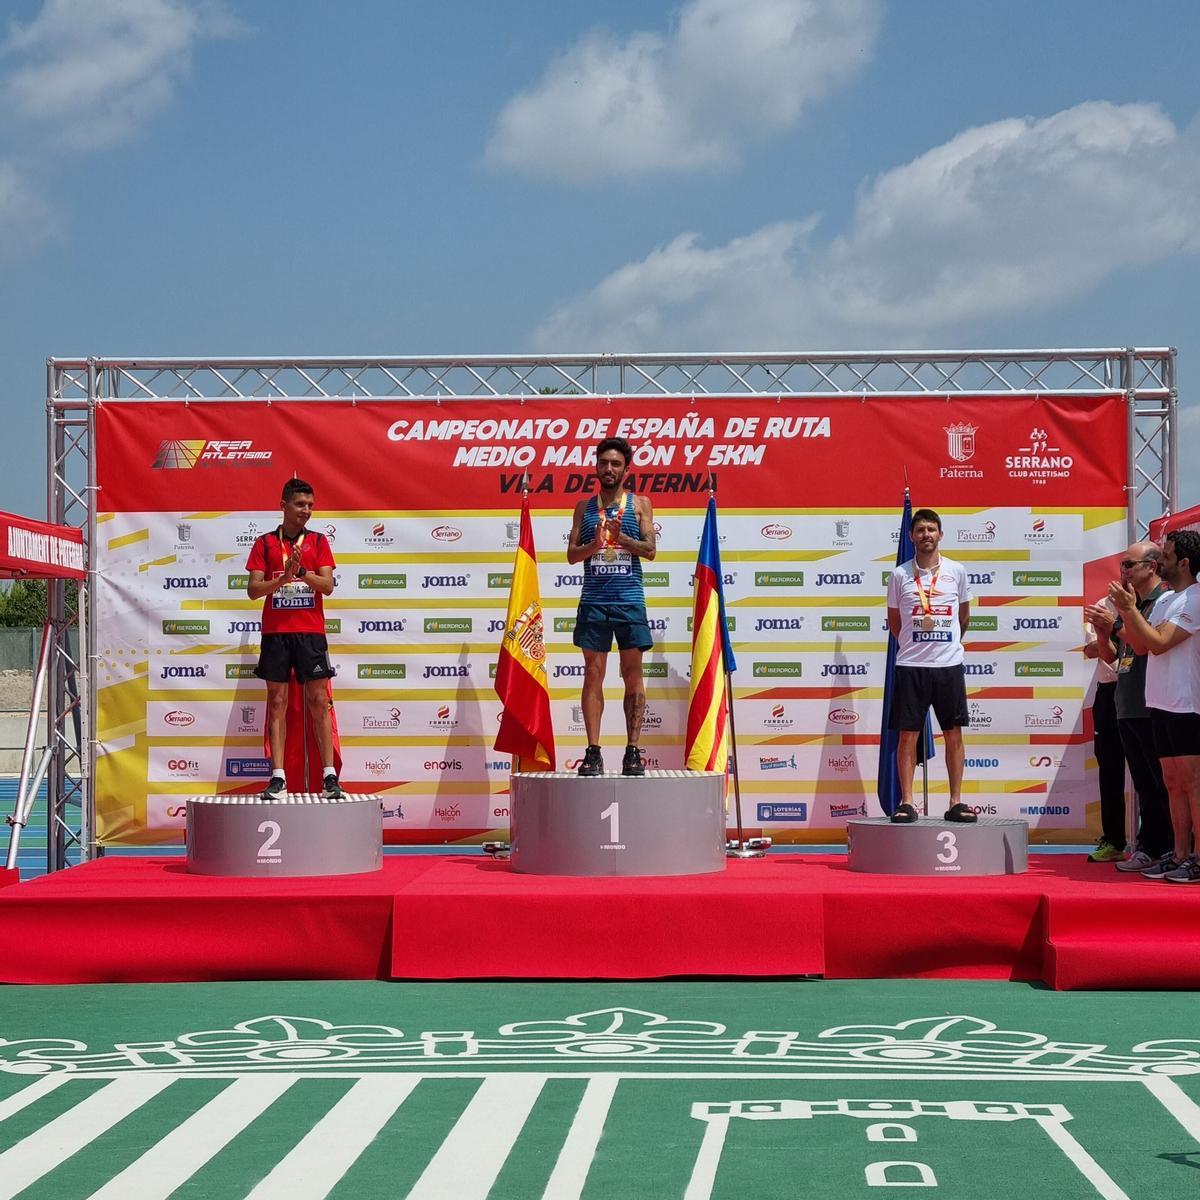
(611, 534)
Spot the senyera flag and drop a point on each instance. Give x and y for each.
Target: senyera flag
(888, 783)
(712, 658)
(526, 731)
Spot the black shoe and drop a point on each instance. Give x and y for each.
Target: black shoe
(592, 763)
(905, 814)
(333, 789)
(632, 763)
(276, 789)
(962, 814)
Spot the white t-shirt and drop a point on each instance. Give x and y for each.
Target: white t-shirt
(1105, 672)
(945, 585)
(1173, 678)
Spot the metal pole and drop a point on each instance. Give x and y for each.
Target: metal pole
(1133, 532)
(1169, 367)
(17, 820)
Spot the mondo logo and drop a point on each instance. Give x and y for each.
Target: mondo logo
(982, 763)
(778, 533)
(178, 719)
(445, 533)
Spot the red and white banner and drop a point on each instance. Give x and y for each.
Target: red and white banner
(421, 503)
(39, 550)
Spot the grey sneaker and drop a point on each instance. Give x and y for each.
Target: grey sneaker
(275, 790)
(1139, 860)
(333, 789)
(1188, 872)
(1162, 868)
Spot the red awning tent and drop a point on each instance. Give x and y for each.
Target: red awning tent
(30, 548)
(1189, 518)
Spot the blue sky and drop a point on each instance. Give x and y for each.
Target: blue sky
(221, 177)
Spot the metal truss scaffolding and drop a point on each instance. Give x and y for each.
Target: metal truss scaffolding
(74, 387)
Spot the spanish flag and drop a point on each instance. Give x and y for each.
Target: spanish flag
(712, 657)
(525, 728)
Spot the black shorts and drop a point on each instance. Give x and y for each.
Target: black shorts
(305, 653)
(919, 688)
(597, 624)
(1176, 735)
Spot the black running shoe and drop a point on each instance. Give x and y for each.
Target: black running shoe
(632, 763)
(592, 763)
(333, 789)
(276, 789)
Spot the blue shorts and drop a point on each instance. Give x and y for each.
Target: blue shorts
(597, 624)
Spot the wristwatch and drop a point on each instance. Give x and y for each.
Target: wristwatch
(300, 574)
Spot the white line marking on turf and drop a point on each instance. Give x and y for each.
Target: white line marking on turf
(43, 1150)
(575, 1158)
(1083, 1162)
(316, 1164)
(173, 1161)
(704, 1170)
(27, 1095)
(1177, 1102)
(467, 1162)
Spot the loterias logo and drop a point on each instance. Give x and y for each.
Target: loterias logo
(383, 581)
(1037, 579)
(448, 624)
(845, 624)
(792, 811)
(777, 670)
(182, 454)
(381, 670)
(778, 578)
(185, 628)
(1024, 670)
(258, 768)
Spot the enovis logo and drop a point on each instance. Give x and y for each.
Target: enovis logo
(175, 454)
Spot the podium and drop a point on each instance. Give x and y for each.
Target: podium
(300, 835)
(990, 846)
(660, 823)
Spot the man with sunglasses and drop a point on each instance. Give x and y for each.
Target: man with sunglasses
(1140, 571)
(1173, 693)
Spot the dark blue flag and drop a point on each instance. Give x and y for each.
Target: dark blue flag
(889, 782)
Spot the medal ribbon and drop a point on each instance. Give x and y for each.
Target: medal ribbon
(609, 541)
(297, 544)
(921, 592)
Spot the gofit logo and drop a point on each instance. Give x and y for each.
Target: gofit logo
(186, 583)
(1037, 579)
(1024, 670)
(258, 768)
(777, 533)
(189, 672)
(397, 626)
(979, 623)
(381, 670)
(382, 581)
(842, 716)
(656, 579)
(845, 624)
(389, 720)
(730, 623)
(185, 628)
(448, 624)
(839, 579)
(457, 671)
(444, 581)
(843, 669)
(183, 766)
(777, 670)
(177, 718)
(243, 627)
(778, 578)
(446, 533)
(1051, 720)
(500, 579)
(1036, 623)
(237, 583)
(181, 454)
(778, 623)
(333, 624)
(564, 624)
(794, 811)
(239, 671)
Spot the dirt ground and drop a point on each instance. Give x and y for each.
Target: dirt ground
(16, 691)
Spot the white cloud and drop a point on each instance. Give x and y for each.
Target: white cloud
(727, 70)
(1015, 216)
(26, 218)
(90, 73)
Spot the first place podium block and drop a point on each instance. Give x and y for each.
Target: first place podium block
(300, 835)
(660, 823)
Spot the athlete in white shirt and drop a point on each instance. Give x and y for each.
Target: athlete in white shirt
(1173, 692)
(928, 607)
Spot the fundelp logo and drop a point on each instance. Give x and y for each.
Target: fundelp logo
(182, 454)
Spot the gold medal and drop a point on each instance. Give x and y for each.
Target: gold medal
(610, 554)
(927, 623)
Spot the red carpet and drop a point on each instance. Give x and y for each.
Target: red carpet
(1067, 922)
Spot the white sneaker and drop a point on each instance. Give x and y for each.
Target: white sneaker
(1139, 860)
